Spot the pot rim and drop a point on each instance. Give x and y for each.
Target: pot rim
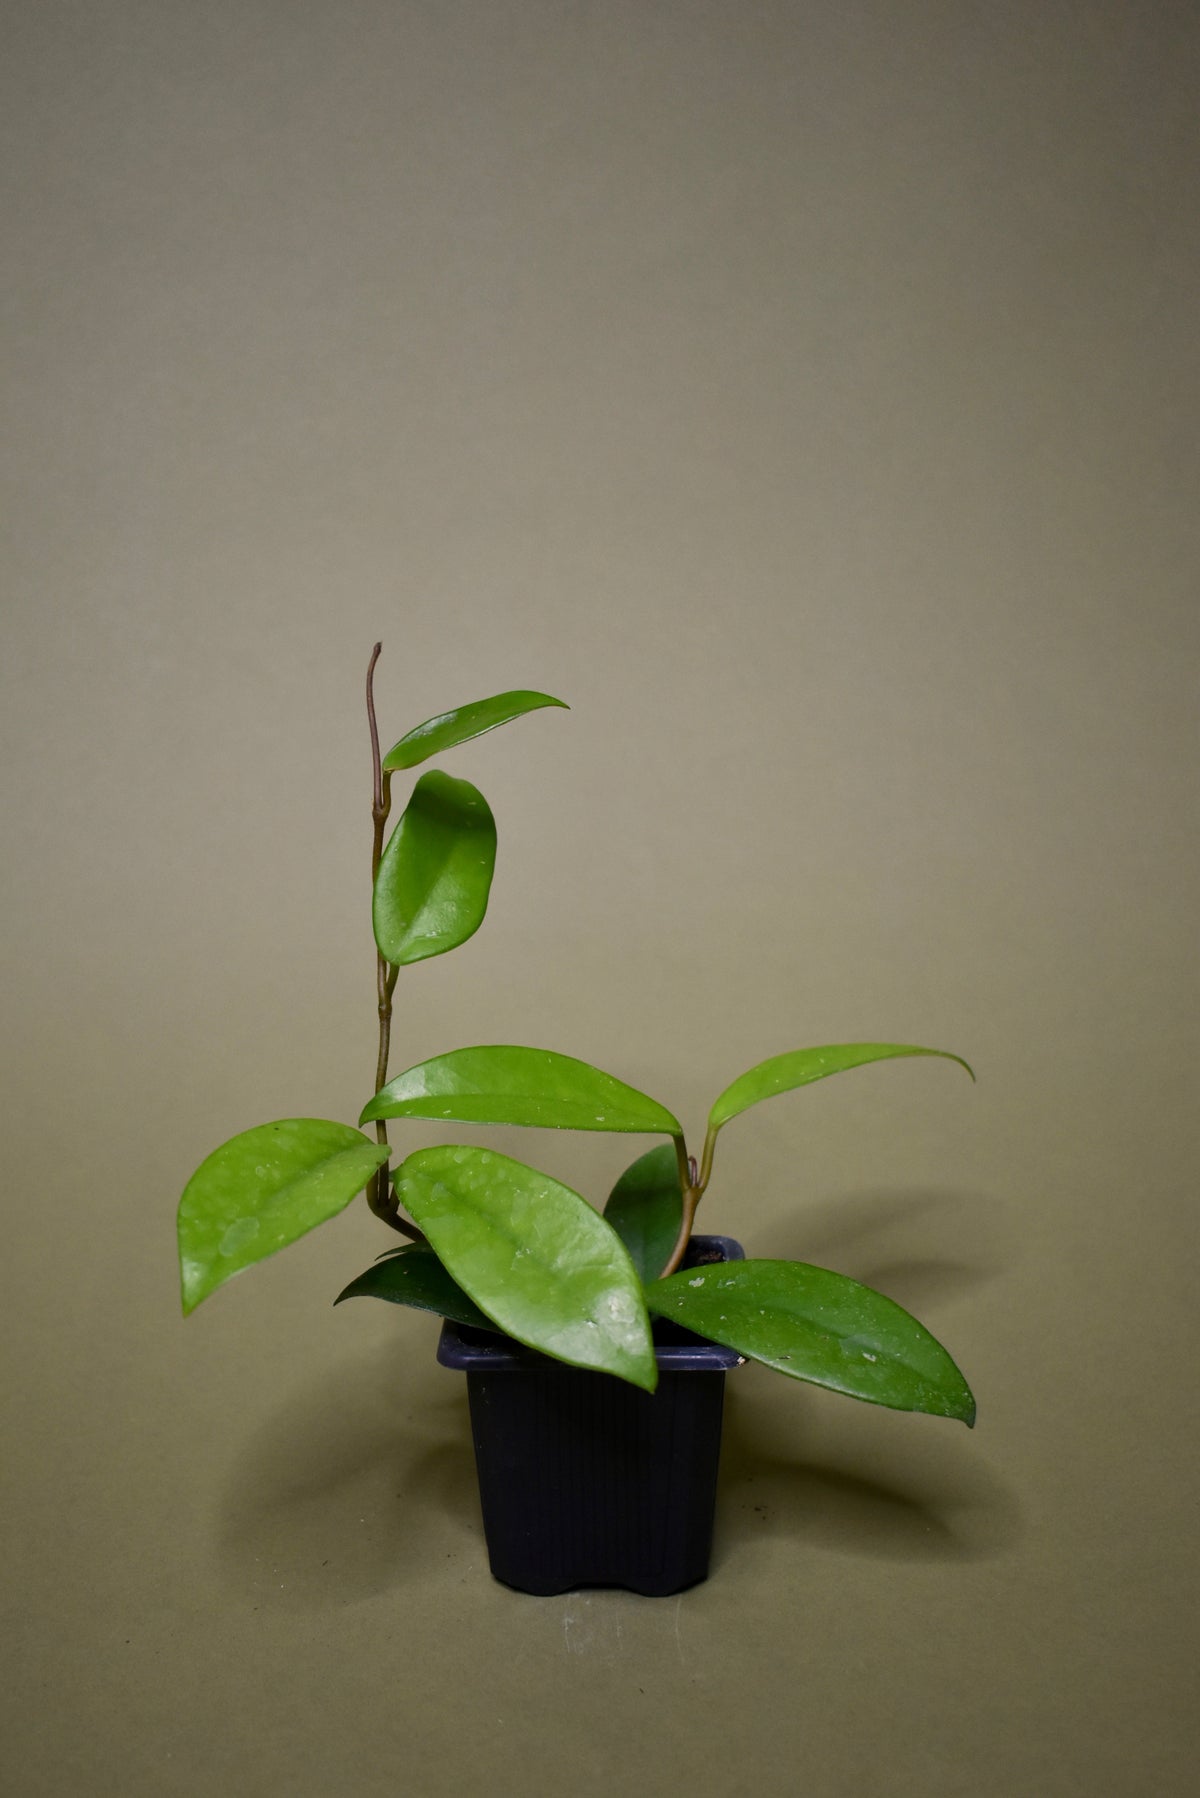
(476, 1351)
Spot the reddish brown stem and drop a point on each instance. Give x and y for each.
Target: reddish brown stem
(690, 1192)
(380, 1196)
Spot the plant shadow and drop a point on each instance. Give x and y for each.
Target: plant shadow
(882, 1239)
(920, 1502)
(348, 1491)
(356, 1485)
(870, 1485)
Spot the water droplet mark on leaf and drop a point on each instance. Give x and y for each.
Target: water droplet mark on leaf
(239, 1233)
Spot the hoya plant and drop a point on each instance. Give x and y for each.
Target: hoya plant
(493, 1243)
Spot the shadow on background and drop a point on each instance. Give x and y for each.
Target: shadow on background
(927, 1501)
(349, 1490)
(920, 1491)
(358, 1484)
(920, 1247)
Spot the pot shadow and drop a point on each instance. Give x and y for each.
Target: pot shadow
(349, 1490)
(870, 1490)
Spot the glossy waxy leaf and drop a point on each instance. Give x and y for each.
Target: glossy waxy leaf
(534, 1256)
(431, 891)
(801, 1066)
(509, 1084)
(415, 1276)
(821, 1327)
(645, 1208)
(463, 723)
(262, 1190)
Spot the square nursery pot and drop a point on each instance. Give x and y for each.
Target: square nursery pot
(585, 1480)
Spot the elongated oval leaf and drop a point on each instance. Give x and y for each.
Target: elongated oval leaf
(415, 1276)
(535, 1258)
(509, 1084)
(645, 1208)
(801, 1066)
(432, 888)
(463, 723)
(262, 1190)
(820, 1327)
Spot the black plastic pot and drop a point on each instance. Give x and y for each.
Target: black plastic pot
(585, 1480)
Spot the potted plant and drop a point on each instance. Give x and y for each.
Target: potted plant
(595, 1345)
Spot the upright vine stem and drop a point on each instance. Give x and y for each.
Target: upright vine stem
(691, 1188)
(380, 1196)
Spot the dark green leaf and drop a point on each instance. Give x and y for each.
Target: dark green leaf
(458, 726)
(262, 1190)
(507, 1084)
(534, 1256)
(783, 1072)
(821, 1327)
(415, 1276)
(645, 1208)
(432, 888)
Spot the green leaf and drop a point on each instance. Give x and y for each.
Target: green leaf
(783, 1072)
(460, 725)
(432, 888)
(820, 1327)
(645, 1208)
(534, 1256)
(415, 1276)
(508, 1084)
(262, 1190)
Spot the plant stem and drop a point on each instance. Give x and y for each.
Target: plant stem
(691, 1199)
(706, 1158)
(690, 1191)
(380, 1196)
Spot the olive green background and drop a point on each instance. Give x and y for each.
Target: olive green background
(807, 394)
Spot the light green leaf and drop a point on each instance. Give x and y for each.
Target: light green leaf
(783, 1072)
(645, 1208)
(508, 1084)
(262, 1190)
(820, 1327)
(534, 1256)
(414, 1276)
(432, 888)
(465, 722)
